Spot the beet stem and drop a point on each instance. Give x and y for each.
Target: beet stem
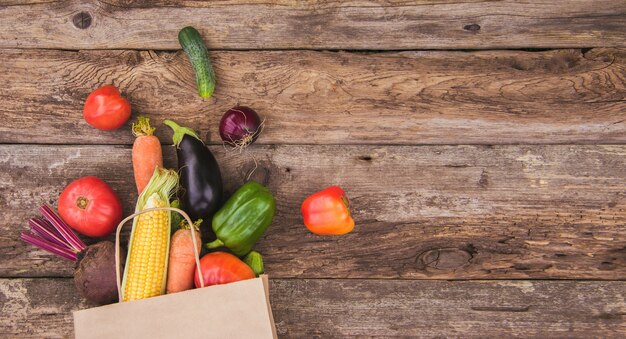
(62, 227)
(48, 246)
(47, 225)
(40, 229)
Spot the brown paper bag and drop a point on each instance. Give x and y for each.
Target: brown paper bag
(236, 310)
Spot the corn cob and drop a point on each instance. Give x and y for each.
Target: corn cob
(145, 273)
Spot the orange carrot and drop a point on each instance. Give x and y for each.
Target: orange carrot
(182, 262)
(147, 153)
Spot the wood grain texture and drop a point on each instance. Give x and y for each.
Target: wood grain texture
(36, 308)
(494, 97)
(428, 212)
(286, 24)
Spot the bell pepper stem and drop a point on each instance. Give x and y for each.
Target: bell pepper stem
(214, 244)
(347, 203)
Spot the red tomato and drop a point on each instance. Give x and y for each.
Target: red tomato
(90, 206)
(222, 268)
(105, 109)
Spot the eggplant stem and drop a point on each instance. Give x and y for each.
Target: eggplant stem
(180, 132)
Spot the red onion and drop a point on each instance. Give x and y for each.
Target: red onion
(240, 126)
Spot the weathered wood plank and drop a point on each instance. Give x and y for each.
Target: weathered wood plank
(36, 308)
(427, 212)
(315, 24)
(564, 96)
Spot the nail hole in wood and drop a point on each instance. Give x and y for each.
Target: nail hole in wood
(365, 158)
(82, 20)
(474, 28)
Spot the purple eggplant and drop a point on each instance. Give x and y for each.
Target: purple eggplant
(201, 190)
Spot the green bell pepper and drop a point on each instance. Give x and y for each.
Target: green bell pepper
(243, 219)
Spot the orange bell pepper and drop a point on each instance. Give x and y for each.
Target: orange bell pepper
(328, 212)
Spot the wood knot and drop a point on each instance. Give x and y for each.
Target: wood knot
(446, 259)
(82, 20)
(474, 28)
(483, 182)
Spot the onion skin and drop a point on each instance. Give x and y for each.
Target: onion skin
(240, 126)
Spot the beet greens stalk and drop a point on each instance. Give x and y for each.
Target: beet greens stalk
(53, 235)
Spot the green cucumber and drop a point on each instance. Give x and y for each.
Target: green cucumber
(196, 50)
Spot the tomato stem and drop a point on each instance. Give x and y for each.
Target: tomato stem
(82, 203)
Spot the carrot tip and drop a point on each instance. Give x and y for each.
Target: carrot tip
(142, 127)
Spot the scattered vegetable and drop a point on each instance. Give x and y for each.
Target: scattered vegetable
(94, 275)
(90, 207)
(255, 261)
(198, 54)
(243, 219)
(240, 126)
(200, 176)
(156, 263)
(327, 212)
(106, 109)
(222, 268)
(182, 261)
(146, 266)
(147, 154)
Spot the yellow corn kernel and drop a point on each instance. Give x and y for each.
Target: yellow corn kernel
(148, 251)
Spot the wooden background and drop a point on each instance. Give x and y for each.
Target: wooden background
(482, 144)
